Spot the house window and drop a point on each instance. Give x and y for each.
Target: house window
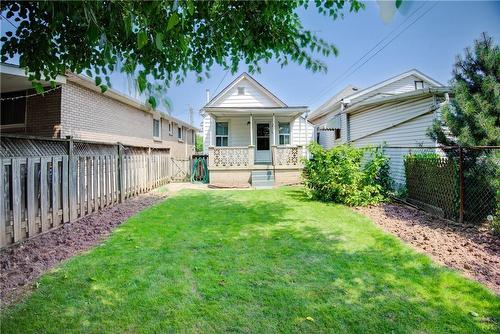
(221, 134)
(241, 90)
(192, 137)
(419, 85)
(13, 112)
(337, 134)
(179, 133)
(156, 128)
(170, 128)
(284, 133)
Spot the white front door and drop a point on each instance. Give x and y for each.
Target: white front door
(263, 148)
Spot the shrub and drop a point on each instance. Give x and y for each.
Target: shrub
(338, 175)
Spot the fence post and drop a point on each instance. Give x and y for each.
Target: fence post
(121, 179)
(71, 181)
(462, 187)
(149, 171)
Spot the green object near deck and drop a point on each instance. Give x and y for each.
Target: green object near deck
(199, 174)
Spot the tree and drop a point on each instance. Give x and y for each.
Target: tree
(472, 118)
(198, 143)
(161, 40)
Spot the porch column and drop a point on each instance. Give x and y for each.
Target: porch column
(212, 131)
(251, 130)
(274, 130)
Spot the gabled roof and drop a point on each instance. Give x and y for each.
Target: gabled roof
(254, 82)
(389, 81)
(324, 108)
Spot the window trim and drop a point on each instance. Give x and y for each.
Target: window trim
(222, 136)
(289, 134)
(157, 138)
(181, 139)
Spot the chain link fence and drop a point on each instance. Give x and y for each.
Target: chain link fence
(457, 183)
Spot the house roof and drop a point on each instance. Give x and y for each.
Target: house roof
(16, 79)
(333, 104)
(325, 107)
(389, 81)
(254, 82)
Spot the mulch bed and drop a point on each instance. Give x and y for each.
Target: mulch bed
(472, 250)
(22, 264)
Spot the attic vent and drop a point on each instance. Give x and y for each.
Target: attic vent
(241, 90)
(419, 85)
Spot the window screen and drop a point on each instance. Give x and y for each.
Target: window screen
(156, 128)
(221, 134)
(284, 133)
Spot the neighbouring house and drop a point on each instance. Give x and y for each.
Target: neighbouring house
(77, 108)
(253, 137)
(396, 112)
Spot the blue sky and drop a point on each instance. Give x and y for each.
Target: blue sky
(430, 45)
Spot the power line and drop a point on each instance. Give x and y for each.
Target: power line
(346, 73)
(220, 82)
(12, 24)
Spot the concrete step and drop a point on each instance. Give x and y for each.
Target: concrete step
(263, 184)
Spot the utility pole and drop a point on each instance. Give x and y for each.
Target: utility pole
(191, 116)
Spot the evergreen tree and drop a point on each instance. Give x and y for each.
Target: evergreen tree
(472, 118)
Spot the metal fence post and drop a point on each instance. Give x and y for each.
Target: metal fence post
(462, 187)
(121, 178)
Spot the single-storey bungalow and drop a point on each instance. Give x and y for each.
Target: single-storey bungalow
(253, 137)
(396, 112)
(77, 108)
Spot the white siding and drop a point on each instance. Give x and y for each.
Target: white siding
(370, 121)
(403, 85)
(207, 132)
(299, 132)
(253, 97)
(412, 133)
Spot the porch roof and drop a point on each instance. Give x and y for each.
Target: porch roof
(260, 111)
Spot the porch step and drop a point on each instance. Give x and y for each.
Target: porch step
(262, 179)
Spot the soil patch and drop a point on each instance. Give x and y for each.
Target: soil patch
(22, 264)
(472, 250)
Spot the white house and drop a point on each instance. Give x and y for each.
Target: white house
(253, 137)
(396, 112)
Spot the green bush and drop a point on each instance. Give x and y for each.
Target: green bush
(338, 175)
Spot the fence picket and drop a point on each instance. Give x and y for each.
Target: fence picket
(34, 200)
(32, 206)
(3, 223)
(44, 203)
(55, 185)
(89, 184)
(16, 198)
(65, 190)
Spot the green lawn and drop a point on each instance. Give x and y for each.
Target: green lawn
(257, 262)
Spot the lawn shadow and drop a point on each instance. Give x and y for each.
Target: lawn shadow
(221, 262)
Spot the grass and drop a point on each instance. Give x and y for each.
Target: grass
(252, 261)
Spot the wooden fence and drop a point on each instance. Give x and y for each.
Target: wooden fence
(42, 188)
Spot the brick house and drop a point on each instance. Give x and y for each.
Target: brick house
(77, 108)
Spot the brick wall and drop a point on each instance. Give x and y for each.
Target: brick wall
(90, 115)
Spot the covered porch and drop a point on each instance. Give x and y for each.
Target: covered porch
(256, 137)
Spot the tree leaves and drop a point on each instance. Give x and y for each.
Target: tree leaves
(163, 40)
(142, 39)
(172, 21)
(159, 41)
